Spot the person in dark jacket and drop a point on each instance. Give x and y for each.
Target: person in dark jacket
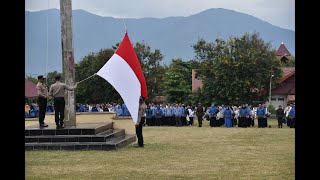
(199, 113)
(280, 116)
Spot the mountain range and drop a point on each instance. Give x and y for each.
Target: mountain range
(174, 36)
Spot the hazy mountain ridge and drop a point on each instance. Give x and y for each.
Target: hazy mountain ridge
(174, 36)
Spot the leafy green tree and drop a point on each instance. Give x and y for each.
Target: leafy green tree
(51, 77)
(289, 63)
(95, 90)
(237, 70)
(32, 79)
(271, 109)
(153, 71)
(177, 81)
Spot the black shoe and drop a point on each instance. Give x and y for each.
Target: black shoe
(59, 127)
(43, 125)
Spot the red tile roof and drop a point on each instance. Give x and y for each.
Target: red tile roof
(30, 90)
(287, 72)
(287, 82)
(283, 51)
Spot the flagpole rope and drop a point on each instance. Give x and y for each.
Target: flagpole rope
(87, 78)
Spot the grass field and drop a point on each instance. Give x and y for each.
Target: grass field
(179, 153)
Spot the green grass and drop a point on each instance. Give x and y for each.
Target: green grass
(179, 153)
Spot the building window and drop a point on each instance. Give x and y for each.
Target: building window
(280, 99)
(273, 99)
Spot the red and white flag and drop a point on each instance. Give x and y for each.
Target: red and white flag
(123, 71)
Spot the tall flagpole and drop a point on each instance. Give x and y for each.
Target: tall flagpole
(68, 60)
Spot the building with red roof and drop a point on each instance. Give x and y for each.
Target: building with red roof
(283, 54)
(30, 90)
(284, 93)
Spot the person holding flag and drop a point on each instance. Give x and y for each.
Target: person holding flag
(140, 122)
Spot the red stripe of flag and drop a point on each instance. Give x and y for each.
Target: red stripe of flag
(126, 51)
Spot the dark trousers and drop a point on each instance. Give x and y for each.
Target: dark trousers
(213, 121)
(191, 121)
(260, 122)
(59, 105)
(265, 122)
(178, 121)
(244, 122)
(158, 121)
(200, 121)
(280, 120)
(139, 132)
(292, 122)
(148, 121)
(42, 102)
(250, 121)
(288, 121)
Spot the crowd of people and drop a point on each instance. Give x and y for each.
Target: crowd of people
(183, 115)
(223, 115)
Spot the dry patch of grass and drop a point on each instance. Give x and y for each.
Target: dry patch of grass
(179, 153)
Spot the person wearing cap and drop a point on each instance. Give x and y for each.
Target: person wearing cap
(140, 122)
(42, 91)
(280, 116)
(57, 91)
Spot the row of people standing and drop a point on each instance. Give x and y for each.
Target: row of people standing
(232, 116)
(287, 115)
(169, 115)
(180, 115)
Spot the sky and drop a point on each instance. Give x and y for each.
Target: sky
(280, 13)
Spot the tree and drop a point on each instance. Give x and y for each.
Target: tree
(289, 63)
(153, 71)
(238, 70)
(177, 81)
(51, 77)
(32, 79)
(95, 90)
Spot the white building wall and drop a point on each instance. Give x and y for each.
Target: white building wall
(279, 99)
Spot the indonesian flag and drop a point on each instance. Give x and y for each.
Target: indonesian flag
(124, 73)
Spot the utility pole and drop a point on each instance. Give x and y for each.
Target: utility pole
(270, 89)
(68, 60)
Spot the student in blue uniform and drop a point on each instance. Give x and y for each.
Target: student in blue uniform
(118, 110)
(228, 116)
(292, 116)
(125, 111)
(148, 115)
(213, 115)
(261, 114)
(243, 117)
(158, 115)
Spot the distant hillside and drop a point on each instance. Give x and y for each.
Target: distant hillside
(174, 36)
